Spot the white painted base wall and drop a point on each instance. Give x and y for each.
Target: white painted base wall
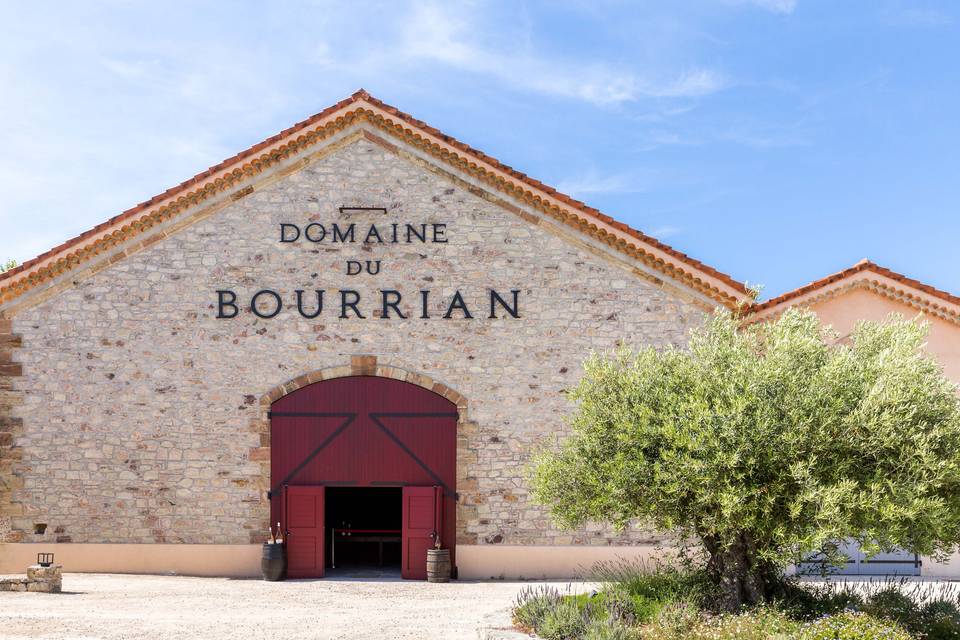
(475, 562)
(949, 569)
(497, 562)
(224, 560)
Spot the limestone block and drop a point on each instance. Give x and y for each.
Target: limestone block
(13, 584)
(53, 573)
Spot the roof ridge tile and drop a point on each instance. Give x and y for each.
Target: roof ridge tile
(862, 265)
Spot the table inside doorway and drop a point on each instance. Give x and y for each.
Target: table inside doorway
(379, 536)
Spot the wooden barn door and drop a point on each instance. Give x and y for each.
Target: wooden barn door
(421, 523)
(304, 532)
(365, 431)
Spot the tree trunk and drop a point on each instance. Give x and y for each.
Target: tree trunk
(735, 567)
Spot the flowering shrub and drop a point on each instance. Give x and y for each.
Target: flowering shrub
(533, 605)
(760, 624)
(852, 626)
(636, 602)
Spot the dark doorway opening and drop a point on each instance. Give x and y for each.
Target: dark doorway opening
(364, 529)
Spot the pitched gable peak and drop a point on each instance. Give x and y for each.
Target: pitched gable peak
(235, 172)
(866, 273)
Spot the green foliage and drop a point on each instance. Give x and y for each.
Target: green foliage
(765, 443)
(623, 607)
(852, 626)
(654, 584)
(940, 620)
(532, 606)
(682, 622)
(891, 603)
(923, 610)
(937, 619)
(760, 624)
(675, 620)
(640, 602)
(812, 601)
(6, 266)
(609, 629)
(568, 619)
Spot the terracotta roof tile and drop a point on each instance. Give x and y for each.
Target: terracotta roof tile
(863, 265)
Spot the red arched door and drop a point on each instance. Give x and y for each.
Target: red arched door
(363, 432)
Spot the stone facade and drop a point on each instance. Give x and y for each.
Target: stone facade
(139, 416)
(10, 430)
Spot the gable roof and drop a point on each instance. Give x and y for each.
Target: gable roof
(869, 275)
(362, 107)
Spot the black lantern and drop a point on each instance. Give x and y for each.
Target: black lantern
(44, 559)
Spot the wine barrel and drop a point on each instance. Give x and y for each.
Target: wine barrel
(273, 564)
(438, 565)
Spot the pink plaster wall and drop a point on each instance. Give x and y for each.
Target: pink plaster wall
(844, 310)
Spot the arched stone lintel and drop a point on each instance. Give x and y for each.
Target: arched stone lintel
(366, 365)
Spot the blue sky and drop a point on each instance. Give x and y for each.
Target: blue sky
(776, 140)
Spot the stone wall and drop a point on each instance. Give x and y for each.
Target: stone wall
(11, 425)
(141, 414)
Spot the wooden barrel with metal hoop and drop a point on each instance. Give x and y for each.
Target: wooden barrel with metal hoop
(273, 563)
(438, 565)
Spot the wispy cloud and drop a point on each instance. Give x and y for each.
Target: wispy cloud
(595, 182)
(763, 139)
(748, 134)
(455, 35)
(126, 100)
(664, 232)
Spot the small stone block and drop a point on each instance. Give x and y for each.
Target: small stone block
(37, 572)
(363, 365)
(13, 584)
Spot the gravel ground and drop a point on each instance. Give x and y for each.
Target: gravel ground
(95, 606)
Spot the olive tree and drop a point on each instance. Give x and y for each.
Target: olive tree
(6, 266)
(763, 443)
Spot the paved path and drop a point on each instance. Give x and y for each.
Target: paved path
(117, 606)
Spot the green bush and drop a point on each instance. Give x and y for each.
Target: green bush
(672, 604)
(891, 603)
(609, 628)
(675, 620)
(533, 605)
(682, 622)
(660, 582)
(940, 620)
(760, 624)
(567, 619)
(624, 608)
(812, 601)
(652, 586)
(852, 626)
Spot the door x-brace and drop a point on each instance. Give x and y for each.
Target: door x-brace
(348, 420)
